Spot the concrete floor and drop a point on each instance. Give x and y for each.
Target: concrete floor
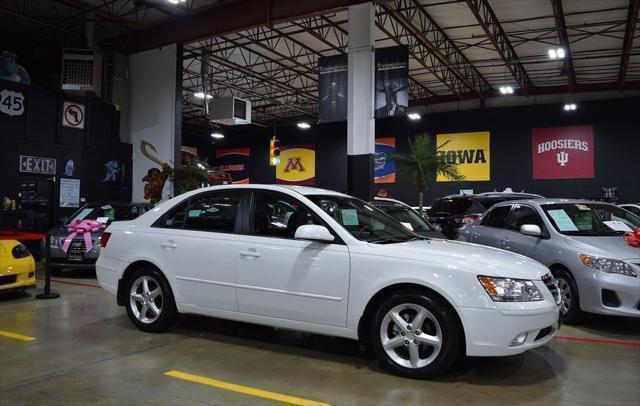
(87, 352)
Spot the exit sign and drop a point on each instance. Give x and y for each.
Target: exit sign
(35, 164)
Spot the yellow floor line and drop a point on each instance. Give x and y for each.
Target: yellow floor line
(290, 400)
(15, 336)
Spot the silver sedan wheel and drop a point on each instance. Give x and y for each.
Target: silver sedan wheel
(411, 336)
(565, 293)
(146, 299)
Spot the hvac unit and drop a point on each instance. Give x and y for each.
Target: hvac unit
(231, 111)
(82, 71)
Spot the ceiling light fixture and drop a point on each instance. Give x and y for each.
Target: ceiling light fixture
(570, 107)
(304, 125)
(176, 1)
(413, 116)
(556, 53)
(200, 95)
(217, 136)
(506, 90)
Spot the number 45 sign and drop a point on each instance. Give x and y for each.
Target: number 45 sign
(11, 103)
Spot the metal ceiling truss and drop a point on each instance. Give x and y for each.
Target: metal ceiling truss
(558, 14)
(632, 19)
(492, 27)
(432, 45)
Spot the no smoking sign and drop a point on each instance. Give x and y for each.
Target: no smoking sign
(73, 115)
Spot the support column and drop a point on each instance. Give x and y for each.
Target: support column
(360, 113)
(154, 115)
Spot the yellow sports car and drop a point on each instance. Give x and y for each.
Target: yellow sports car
(17, 267)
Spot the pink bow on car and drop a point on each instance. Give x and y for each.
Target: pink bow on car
(84, 227)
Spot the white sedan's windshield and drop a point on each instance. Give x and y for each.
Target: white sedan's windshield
(364, 221)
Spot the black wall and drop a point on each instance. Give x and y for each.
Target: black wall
(616, 125)
(39, 132)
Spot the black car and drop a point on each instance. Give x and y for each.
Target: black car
(453, 212)
(407, 216)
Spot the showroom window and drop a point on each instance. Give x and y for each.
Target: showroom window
(279, 215)
(498, 217)
(522, 215)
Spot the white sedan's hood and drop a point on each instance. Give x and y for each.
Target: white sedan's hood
(465, 256)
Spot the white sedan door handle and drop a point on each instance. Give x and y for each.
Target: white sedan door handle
(251, 254)
(168, 245)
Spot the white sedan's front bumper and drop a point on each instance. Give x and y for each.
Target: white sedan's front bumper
(490, 332)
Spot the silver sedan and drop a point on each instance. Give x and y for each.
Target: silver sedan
(583, 244)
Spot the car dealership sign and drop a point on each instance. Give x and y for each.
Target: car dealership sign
(35, 164)
(562, 152)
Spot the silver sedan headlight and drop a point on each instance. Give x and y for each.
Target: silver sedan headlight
(608, 265)
(510, 290)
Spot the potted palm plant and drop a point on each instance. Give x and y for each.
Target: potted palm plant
(191, 175)
(423, 162)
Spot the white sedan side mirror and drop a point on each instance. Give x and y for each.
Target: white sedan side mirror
(313, 232)
(531, 229)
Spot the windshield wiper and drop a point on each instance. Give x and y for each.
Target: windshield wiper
(387, 241)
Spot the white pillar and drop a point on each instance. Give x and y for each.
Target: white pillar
(360, 113)
(152, 113)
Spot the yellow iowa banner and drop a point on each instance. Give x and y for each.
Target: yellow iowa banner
(297, 165)
(470, 151)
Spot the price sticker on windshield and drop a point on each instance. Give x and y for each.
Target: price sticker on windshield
(617, 225)
(562, 220)
(349, 217)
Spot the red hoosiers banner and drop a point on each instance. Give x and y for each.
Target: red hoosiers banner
(562, 152)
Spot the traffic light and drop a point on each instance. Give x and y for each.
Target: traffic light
(274, 151)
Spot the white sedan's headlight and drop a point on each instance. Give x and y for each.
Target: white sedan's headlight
(510, 290)
(608, 265)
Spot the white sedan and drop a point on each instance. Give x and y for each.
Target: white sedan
(323, 262)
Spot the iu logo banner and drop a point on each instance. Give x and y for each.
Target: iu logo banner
(471, 153)
(297, 165)
(562, 152)
(384, 165)
(235, 162)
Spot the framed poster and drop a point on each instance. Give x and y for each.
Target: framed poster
(69, 192)
(562, 152)
(297, 165)
(384, 170)
(470, 151)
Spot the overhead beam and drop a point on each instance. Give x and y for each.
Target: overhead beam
(492, 27)
(226, 19)
(38, 22)
(632, 18)
(558, 14)
(453, 67)
(542, 90)
(85, 8)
